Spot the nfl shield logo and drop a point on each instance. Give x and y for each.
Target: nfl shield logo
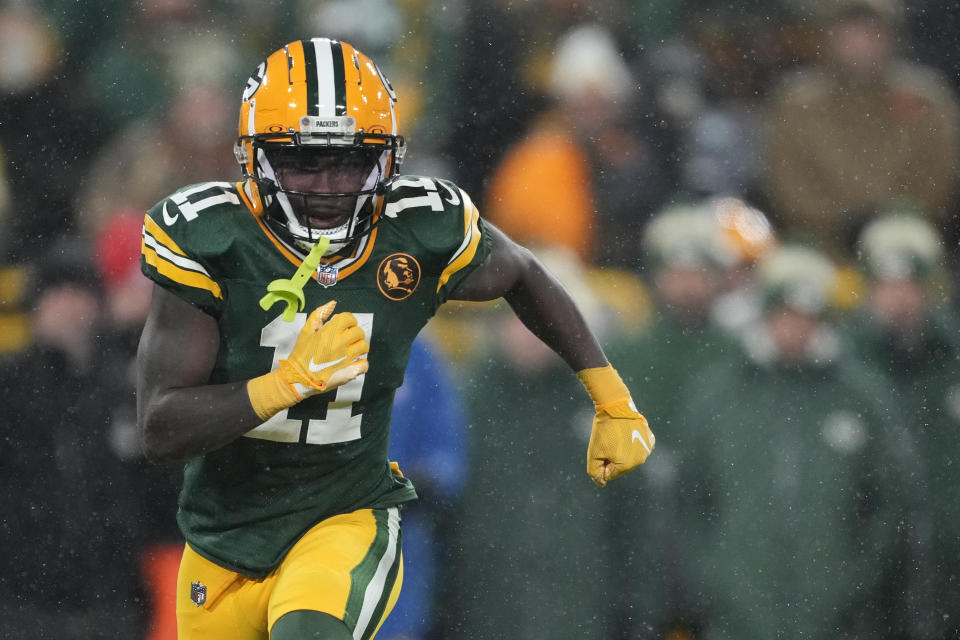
(198, 593)
(327, 274)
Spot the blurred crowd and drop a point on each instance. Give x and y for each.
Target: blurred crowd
(754, 203)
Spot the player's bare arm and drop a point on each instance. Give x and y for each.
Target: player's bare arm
(539, 300)
(178, 349)
(181, 415)
(620, 439)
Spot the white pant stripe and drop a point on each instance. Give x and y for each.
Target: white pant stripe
(375, 589)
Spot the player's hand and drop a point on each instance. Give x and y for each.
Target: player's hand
(327, 354)
(619, 441)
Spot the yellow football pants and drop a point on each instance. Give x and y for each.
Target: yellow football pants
(348, 566)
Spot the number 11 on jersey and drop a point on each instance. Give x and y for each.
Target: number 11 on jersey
(338, 425)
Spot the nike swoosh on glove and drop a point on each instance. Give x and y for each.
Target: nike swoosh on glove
(339, 345)
(620, 439)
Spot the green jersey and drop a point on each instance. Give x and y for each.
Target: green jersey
(244, 505)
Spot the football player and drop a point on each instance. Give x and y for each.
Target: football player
(289, 505)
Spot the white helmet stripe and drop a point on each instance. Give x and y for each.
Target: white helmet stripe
(326, 90)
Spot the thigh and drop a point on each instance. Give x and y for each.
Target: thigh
(309, 625)
(214, 603)
(348, 566)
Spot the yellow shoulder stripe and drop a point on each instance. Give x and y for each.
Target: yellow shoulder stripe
(162, 253)
(181, 276)
(471, 240)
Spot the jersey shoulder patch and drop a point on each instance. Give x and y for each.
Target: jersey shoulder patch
(182, 236)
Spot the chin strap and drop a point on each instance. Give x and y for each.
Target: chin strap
(384, 186)
(266, 186)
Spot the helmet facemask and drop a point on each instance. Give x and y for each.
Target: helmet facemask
(321, 190)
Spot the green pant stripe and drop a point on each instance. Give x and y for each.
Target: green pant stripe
(370, 579)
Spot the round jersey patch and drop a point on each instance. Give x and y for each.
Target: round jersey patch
(398, 276)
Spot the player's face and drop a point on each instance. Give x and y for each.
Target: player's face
(323, 182)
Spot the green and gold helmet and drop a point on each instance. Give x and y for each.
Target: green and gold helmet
(318, 141)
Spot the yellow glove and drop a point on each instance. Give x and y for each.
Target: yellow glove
(620, 439)
(325, 356)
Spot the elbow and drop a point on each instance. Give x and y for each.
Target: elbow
(157, 442)
(527, 269)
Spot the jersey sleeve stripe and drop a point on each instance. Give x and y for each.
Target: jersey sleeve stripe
(468, 248)
(178, 275)
(178, 260)
(171, 262)
(153, 229)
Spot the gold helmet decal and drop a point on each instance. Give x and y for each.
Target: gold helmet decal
(398, 276)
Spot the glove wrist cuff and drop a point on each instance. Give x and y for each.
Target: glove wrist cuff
(604, 386)
(270, 393)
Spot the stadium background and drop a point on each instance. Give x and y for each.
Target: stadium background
(573, 125)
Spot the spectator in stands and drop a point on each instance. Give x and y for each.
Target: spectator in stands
(586, 175)
(48, 131)
(158, 543)
(131, 72)
(502, 81)
(526, 580)
(707, 80)
(687, 257)
(428, 437)
(801, 510)
(189, 141)
(69, 570)
(14, 321)
(749, 236)
(863, 130)
(909, 329)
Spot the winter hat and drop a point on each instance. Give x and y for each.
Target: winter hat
(900, 246)
(687, 236)
(745, 229)
(587, 62)
(798, 277)
(67, 261)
